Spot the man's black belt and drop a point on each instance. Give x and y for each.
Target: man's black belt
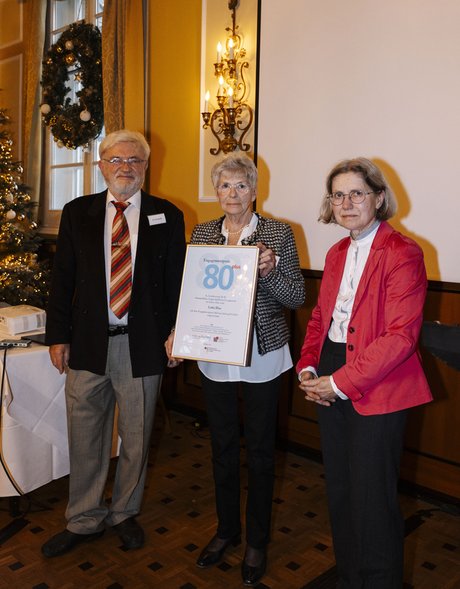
(117, 330)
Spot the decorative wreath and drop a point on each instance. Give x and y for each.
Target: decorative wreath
(78, 53)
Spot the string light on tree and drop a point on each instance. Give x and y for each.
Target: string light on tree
(23, 278)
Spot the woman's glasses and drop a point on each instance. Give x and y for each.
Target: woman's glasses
(356, 196)
(226, 187)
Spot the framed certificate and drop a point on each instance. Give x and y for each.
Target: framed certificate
(216, 306)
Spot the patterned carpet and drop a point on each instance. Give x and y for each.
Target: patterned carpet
(178, 518)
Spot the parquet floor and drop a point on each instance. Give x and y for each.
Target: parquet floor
(178, 517)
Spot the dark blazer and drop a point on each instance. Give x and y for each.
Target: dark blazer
(283, 287)
(383, 371)
(77, 310)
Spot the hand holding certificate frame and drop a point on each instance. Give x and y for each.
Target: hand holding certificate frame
(216, 306)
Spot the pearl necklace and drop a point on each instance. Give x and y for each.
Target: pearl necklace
(236, 232)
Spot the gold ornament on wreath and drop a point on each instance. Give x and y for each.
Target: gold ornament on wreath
(78, 54)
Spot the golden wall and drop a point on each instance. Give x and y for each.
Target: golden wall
(174, 106)
(11, 67)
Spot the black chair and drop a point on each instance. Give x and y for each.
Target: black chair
(443, 341)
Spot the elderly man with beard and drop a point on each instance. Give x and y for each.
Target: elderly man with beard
(113, 299)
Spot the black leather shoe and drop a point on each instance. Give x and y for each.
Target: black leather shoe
(65, 541)
(253, 574)
(210, 556)
(130, 533)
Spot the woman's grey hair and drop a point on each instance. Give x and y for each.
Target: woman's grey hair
(235, 162)
(124, 136)
(372, 176)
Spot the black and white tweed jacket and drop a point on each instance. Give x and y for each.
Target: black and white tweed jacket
(283, 287)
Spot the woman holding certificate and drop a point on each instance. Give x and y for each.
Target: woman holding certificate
(280, 285)
(360, 364)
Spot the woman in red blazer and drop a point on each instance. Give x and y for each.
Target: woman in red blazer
(361, 365)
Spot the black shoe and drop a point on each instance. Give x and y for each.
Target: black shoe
(252, 574)
(210, 555)
(65, 541)
(130, 533)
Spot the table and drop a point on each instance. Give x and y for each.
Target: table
(34, 427)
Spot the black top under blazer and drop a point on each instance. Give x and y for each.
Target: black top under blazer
(77, 312)
(282, 287)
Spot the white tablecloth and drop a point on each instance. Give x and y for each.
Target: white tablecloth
(34, 426)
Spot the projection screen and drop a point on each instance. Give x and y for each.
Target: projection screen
(363, 77)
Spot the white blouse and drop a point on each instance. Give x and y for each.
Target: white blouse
(358, 252)
(357, 255)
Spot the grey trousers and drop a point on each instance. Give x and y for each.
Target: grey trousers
(91, 400)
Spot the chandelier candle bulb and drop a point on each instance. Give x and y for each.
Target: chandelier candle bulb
(230, 97)
(206, 101)
(219, 52)
(231, 50)
(221, 86)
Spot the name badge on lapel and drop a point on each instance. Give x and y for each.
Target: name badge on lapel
(156, 219)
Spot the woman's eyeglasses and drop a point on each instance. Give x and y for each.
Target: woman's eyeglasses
(226, 187)
(356, 196)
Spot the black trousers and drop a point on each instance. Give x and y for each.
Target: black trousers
(361, 457)
(260, 413)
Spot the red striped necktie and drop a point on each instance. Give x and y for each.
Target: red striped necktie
(120, 275)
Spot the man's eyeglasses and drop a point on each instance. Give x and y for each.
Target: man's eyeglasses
(119, 161)
(356, 197)
(240, 188)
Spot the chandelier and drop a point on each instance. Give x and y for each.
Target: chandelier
(232, 119)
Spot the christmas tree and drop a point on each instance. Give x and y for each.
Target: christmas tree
(23, 278)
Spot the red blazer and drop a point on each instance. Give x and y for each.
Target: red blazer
(383, 371)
